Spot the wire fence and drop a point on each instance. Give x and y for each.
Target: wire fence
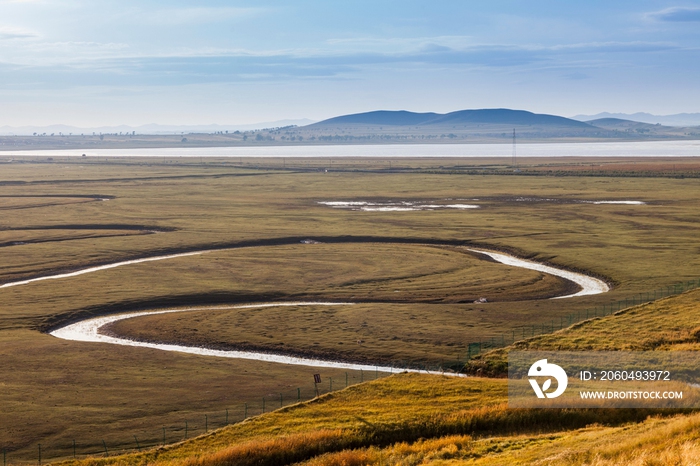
(190, 426)
(195, 425)
(528, 331)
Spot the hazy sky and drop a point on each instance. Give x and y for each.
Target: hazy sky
(104, 62)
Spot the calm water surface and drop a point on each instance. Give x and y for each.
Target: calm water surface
(585, 149)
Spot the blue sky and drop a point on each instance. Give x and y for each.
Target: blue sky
(90, 63)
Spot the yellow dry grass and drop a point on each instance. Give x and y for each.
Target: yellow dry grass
(402, 419)
(654, 442)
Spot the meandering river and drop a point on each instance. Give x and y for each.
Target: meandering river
(89, 330)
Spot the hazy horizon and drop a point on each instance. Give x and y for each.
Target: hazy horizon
(76, 63)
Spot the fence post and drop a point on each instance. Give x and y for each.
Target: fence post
(137, 443)
(185, 429)
(163, 435)
(330, 384)
(105, 445)
(263, 405)
(39, 453)
(245, 414)
(298, 394)
(346, 380)
(226, 416)
(206, 423)
(73, 448)
(280, 400)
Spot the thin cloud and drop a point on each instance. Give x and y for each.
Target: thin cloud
(676, 15)
(97, 67)
(39, 53)
(399, 43)
(175, 16)
(576, 76)
(610, 47)
(8, 33)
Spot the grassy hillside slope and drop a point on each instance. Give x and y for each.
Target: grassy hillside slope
(368, 419)
(669, 324)
(419, 419)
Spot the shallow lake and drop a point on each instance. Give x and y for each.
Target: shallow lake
(583, 149)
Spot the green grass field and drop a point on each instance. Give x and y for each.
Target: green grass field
(412, 295)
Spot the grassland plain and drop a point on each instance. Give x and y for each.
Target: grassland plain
(54, 391)
(599, 166)
(465, 421)
(355, 134)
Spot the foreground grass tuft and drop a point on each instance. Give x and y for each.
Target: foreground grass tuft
(653, 442)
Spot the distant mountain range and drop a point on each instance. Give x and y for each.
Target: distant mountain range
(498, 116)
(481, 125)
(148, 129)
(679, 119)
(620, 124)
(498, 125)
